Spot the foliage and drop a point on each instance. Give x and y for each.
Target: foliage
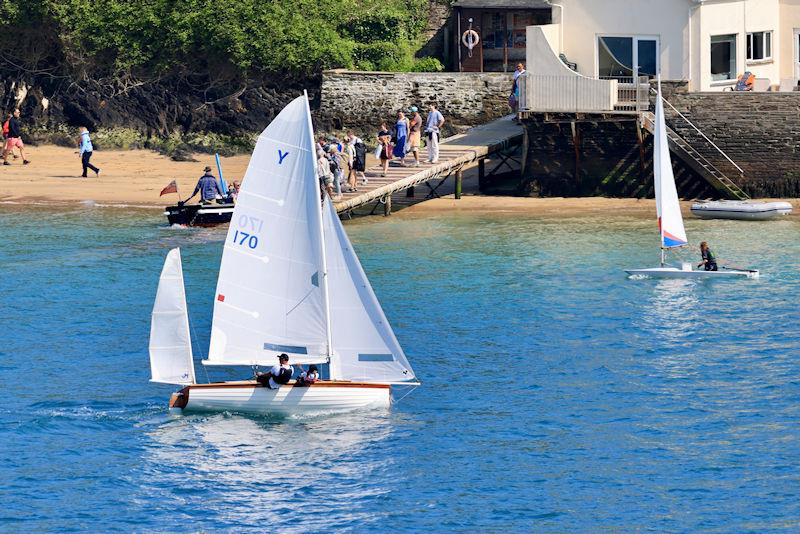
(139, 39)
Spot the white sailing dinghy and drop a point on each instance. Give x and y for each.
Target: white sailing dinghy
(670, 220)
(289, 282)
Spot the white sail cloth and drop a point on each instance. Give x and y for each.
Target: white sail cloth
(170, 342)
(269, 298)
(365, 347)
(668, 208)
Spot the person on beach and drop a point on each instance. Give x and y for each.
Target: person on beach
(279, 374)
(324, 173)
(14, 139)
(385, 146)
(5, 133)
(401, 137)
(356, 161)
(709, 260)
(433, 126)
(415, 130)
(207, 186)
(86, 149)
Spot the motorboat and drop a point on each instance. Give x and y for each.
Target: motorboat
(289, 283)
(743, 210)
(668, 213)
(210, 214)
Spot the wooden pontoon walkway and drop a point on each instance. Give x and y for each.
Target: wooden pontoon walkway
(456, 153)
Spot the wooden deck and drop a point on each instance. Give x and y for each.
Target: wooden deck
(456, 153)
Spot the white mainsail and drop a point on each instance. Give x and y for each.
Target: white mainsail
(270, 296)
(170, 342)
(670, 220)
(364, 346)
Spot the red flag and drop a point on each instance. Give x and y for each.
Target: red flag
(171, 188)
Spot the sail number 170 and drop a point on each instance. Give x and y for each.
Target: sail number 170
(243, 238)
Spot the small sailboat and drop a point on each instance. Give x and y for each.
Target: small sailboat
(289, 282)
(670, 220)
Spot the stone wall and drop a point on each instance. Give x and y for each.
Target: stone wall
(758, 131)
(362, 100)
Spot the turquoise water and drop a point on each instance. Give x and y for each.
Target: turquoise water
(558, 395)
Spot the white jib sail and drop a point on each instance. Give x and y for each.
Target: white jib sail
(365, 348)
(170, 342)
(670, 220)
(268, 298)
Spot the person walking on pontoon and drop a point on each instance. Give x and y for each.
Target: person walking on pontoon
(433, 126)
(709, 260)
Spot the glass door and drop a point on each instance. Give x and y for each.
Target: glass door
(627, 57)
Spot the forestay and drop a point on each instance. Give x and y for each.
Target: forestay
(670, 220)
(269, 297)
(365, 348)
(170, 342)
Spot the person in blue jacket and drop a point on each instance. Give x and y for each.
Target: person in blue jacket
(207, 186)
(86, 149)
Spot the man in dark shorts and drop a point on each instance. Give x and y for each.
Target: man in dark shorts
(709, 260)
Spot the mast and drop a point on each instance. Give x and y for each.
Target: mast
(324, 277)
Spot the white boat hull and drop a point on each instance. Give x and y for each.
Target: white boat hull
(740, 210)
(673, 272)
(252, 398)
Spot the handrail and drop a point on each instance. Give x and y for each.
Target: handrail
(701, 133)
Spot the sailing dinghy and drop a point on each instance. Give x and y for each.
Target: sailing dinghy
(670, 220)
(289, 282)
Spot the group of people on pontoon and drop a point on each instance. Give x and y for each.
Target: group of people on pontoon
(282, 373)
(211, 192)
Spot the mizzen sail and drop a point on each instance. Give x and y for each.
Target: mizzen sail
(365, 348)
(670, 220)
(170, 342)
(269, 298)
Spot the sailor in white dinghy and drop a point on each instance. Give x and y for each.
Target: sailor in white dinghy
(670, 219)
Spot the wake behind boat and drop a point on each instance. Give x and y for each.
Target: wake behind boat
(668, 209)
(289, 283)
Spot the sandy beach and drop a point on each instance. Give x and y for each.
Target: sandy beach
(135, 177)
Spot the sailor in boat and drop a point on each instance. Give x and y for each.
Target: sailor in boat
(308, 377)
(208, 188)
(233, 192)
(709, 260)
(279, 374)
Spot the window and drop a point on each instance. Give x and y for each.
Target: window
(723, 57)
(759, 46)
(624, 57)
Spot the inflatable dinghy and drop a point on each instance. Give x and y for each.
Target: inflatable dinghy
(741, 210)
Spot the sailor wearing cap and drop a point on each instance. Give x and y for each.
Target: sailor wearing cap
(207, 186)
(278, 375)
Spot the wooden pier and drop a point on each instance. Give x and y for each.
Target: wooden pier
(497, 139)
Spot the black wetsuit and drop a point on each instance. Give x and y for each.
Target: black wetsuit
(709, 260)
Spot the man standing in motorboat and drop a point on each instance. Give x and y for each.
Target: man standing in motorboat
(207, 186)
(709, 260)
(279, 374)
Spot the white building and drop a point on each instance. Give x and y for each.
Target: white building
(708, 43)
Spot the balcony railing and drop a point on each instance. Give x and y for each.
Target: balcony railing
(581, 94)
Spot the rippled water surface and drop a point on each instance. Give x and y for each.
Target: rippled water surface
(558, 395)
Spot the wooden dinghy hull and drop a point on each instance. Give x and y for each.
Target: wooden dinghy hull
(199, 214)
(252, 398)
(673, 272)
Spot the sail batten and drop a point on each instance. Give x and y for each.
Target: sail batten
(171, 360)
(668, 208)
